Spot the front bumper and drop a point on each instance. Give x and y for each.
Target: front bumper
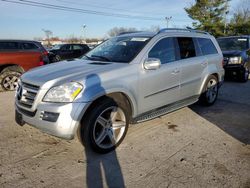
(233, 70)
(66, 124)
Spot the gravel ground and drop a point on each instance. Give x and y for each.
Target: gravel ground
(192, 147)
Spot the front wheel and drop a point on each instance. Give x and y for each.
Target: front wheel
(104, 127)
(9, 79)
(209, 96)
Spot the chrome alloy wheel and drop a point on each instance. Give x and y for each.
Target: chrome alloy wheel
(10, 82)
(109, 127)
(212, 90)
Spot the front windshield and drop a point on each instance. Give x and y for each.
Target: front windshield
(118, 49)
(56, 47)
(227, 44)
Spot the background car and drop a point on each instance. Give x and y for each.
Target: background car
(67, 51)
(16, 57)
(236, 52)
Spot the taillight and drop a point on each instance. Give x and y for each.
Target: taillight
(45, 52)
(40, 63)
(222, 63)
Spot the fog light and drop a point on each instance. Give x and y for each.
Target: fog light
(49, 116)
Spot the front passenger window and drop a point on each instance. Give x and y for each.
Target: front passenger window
(163, 50)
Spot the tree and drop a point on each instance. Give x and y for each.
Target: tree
(209, 15)
(240, 22)
(118, 30)
(48, 33)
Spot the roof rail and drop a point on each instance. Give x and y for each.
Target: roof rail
(182, 30)
(128, 32)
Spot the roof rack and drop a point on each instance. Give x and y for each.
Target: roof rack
(182, 30)
(128, 32)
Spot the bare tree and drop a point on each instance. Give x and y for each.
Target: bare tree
(48, 33)
(118, 30)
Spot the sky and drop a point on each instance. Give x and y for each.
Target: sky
(26, 22)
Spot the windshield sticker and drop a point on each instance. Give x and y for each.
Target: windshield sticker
(242, 39)
(139, 39)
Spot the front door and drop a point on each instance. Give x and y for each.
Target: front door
(161, 86)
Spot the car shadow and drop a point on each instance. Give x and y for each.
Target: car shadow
(103, 170)
(231, 112)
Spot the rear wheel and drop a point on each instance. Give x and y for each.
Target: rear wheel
(104, 127)
(209, 96)
(9, 78)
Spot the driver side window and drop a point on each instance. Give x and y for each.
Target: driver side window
(163, 50)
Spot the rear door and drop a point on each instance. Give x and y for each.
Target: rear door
(66, 52)
(160, 87)
(193, 65)
(77, 50)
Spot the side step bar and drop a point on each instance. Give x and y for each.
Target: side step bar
(164, 110)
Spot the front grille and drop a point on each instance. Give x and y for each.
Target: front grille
(26, 94)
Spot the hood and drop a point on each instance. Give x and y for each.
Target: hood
(66, 71)
(232, 53)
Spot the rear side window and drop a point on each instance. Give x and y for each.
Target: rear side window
(207, 47)
(77, 47)
(186, 46)
(29, 46)
(163, 50)
(9, 46)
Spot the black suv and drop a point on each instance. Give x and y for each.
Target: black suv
(67, 51)
(236, 52)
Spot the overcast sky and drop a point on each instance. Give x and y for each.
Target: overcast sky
(26, 22)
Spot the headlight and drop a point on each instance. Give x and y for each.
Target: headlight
(234, 60)
(63, 93)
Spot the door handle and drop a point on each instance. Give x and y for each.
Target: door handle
(204, 63)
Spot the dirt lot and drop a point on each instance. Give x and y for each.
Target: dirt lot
(193, 147)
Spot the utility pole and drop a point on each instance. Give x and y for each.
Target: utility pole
(168, 20)
(84, 32)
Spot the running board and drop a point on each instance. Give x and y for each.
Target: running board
(164, 110)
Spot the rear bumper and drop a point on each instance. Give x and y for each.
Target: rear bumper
(65, 126)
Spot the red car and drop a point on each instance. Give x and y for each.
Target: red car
(16, 57)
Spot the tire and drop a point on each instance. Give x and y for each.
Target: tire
(244, 75)
(57, 58)
(104, 127)
(210, 94)
(9, 78)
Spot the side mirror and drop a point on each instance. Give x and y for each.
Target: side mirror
(152, 64)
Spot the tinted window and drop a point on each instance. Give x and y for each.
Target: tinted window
(207, 47)
(29, 46)
(234, 43)
(163, 50)
(187, 48)
(65, 47)
(77, 47)
(9, 46)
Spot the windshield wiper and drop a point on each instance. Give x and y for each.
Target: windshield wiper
(87, 57)
(101, 57)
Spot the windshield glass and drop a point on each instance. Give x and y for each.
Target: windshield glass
(56, 47)
(118, 49)
(227, 44)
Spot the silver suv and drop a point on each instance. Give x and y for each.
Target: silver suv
(127, 79)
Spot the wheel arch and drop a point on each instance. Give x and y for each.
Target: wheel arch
(203, 86)
(18, 67)
(120, 98)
